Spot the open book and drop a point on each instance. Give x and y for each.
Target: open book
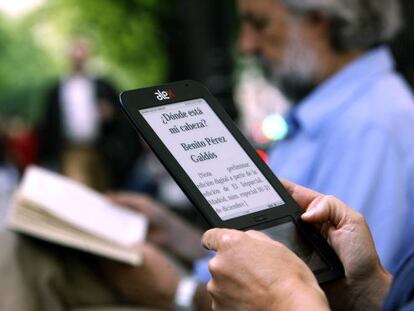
(57, 209)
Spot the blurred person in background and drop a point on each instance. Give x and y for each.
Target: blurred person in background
(81, 113)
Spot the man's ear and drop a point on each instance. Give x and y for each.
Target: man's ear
(316, 28)
(334, 29)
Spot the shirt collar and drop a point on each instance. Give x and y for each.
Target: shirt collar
(333, 94)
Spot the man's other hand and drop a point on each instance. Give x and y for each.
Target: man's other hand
(253, 272)
(152, 284)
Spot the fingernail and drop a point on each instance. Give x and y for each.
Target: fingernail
(308, 213)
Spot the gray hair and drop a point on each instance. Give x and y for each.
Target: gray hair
(356, 24)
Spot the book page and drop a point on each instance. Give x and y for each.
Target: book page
(82, 207)
(36, 222)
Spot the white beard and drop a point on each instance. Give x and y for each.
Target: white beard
(297, 71)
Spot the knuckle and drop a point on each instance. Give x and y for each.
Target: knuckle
(359, 218)
(331, 202)
(251, 231)
(212, 289)
(330, 198)
(231, 238)
(218, 268)
(256, 234)
(214, 266)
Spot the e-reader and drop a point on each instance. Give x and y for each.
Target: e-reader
(220, 172)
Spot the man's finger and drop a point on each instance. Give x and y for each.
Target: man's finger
(327, 209)
(218, 239)
(303, 196)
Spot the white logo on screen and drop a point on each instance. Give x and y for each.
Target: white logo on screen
(162, 95)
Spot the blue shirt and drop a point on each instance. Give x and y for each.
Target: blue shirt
(354, 138)
(401, 294)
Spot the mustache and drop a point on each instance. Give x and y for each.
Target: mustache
(294, 85)
(263, 64)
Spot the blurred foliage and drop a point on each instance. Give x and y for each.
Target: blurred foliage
(24, 71)
(127, 42)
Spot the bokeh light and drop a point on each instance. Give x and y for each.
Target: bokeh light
(274, 127)
(17, 8)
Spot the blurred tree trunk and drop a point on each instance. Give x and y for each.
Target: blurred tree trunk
(199, 38)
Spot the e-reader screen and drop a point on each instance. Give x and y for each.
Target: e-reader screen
(213, 159)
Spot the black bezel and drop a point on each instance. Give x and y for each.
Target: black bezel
(134, 100)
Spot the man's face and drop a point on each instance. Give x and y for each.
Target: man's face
(287, 44)
(79, 54)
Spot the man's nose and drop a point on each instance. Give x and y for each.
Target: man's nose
(248, 41)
